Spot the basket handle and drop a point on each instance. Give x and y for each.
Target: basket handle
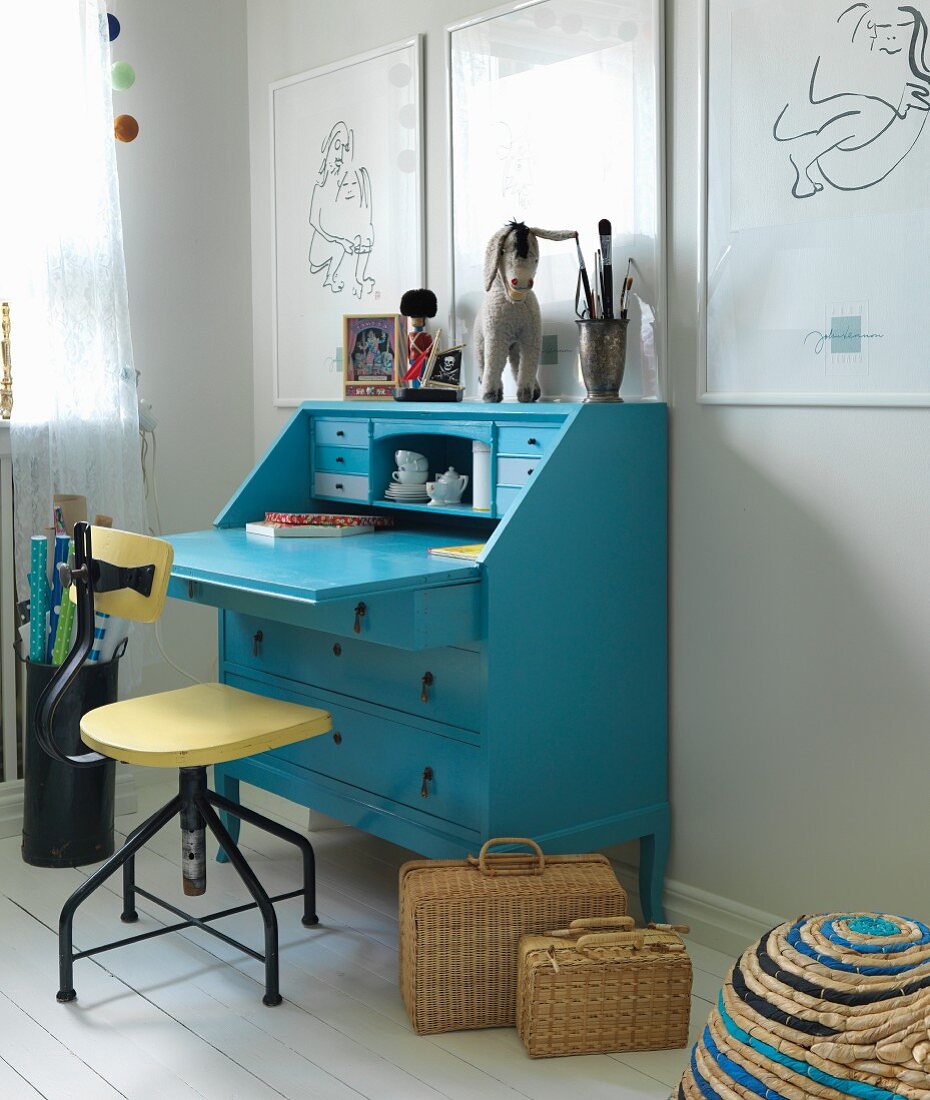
(509, 863)
(612, 939)
(681, 929)
(621, 924)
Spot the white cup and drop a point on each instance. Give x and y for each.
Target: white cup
(406, 476)
(410, 460)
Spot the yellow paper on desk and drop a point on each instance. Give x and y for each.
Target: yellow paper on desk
(469, 553)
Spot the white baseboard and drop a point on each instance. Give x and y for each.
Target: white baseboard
(11, 801)
(721, 923)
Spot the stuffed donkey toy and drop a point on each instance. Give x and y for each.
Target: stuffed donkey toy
(509, 323)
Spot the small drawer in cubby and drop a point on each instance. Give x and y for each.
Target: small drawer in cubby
(515, 471)
(525, 440)
(341, 460)
(341, 486)
(412, 767)
(341, 433)
(436, 685)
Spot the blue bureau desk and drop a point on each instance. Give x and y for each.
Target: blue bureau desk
(522, 694)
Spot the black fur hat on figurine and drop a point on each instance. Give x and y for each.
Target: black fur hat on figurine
(419, 303)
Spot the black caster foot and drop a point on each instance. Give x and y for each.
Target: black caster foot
(310, 922)
(129, 918)
(63, 996)
(272, 999)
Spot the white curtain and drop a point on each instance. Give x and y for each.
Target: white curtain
(75, 422)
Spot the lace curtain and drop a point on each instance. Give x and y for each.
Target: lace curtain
(75, 425)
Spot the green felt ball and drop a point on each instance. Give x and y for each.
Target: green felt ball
(123, 75)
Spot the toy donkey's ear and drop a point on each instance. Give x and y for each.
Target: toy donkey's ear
(492, 255)
(555, 234)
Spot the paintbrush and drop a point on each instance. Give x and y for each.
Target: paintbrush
(627, 282)
(625, 297)
(585, 282)
(598, 287)
(604, 229)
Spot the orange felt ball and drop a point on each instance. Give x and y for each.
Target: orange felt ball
(125, 128)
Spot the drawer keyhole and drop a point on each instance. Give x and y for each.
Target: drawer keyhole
(360, 610)
(427, 779)
(426, 682)
(337, 650)
(257, 640)
(337, 737)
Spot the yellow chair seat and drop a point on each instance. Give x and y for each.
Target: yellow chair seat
(204, 724)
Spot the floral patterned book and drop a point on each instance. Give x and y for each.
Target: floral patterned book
(325, 519)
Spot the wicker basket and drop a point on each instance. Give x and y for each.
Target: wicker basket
(599, 986)
(827, 1006)
(461, 923)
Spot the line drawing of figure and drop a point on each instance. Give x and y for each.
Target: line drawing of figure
(854, 140)
(340, 215)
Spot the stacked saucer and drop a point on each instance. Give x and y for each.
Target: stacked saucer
(407, 494)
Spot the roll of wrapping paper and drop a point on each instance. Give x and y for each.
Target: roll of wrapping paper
(38, 586)
(65, 622)
(62, 542)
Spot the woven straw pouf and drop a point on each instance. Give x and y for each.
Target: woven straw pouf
(830, 1006)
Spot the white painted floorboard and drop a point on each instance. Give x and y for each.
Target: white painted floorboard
(181, 1016)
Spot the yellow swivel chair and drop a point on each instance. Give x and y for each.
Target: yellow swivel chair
(187, 729)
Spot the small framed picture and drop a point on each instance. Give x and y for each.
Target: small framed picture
(446, 369)
(373, 350)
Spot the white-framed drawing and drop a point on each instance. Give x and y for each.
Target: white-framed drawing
(815, 205)
(556, 118)
(347, 208)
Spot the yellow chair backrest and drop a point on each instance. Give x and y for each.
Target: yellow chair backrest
(125, 549)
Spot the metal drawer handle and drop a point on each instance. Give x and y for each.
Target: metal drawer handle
(337, 737)
(427, 682)
(530, 472)
(427, 778)
(337, 649)
(531, 442)
(339, 458)
(340, 433)
(257, 640)
(339, 485)
(360, 610)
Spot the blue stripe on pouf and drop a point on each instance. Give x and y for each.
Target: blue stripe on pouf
(703, 1087)
(737, 1073)
(829, 931)
(848, 1088)
(794, 938)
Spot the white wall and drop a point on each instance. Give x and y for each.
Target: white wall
(800, 635)
(184, 186)
(801, 638)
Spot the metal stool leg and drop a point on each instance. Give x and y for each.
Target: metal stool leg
(245, 872)
(129, 914)
(139, 837)
(282, 832)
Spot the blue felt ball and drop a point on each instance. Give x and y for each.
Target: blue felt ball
(113, 24)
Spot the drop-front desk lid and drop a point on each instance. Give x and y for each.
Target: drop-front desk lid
(318, 570)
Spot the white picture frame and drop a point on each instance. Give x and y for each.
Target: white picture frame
(555, 284)
(827, 243)
(347, 207)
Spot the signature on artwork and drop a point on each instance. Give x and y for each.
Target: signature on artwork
(833, 336)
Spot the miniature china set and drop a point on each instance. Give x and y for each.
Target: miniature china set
(410, 484)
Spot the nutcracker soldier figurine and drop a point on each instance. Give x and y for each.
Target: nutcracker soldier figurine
(417, 306)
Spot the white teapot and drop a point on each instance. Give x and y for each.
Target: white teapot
(447, 488)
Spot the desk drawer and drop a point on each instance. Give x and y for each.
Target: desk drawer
(526, 440)
(504, 498)
(341, 433)
(515, 471)
(341, 460)
(375, 673)
(412, 767)
(341, 486)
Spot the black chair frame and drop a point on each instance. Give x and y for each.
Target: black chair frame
(195, 804)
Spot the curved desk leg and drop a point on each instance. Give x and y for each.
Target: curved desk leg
(228, 787)
(653, 858)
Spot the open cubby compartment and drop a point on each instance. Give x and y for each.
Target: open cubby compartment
(444, 444)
